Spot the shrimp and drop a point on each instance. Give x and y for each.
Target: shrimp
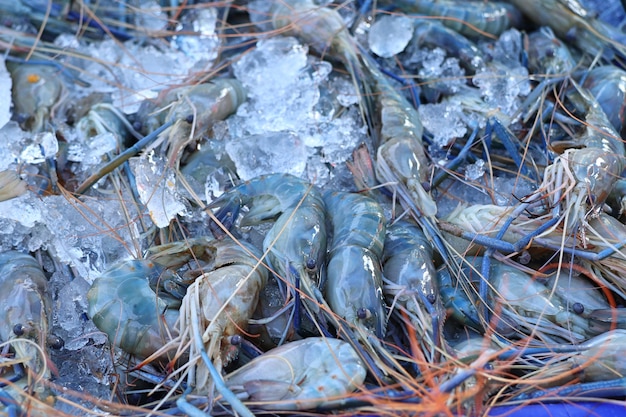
(570, 20)
(194, 109)
(547, 54)
(400, 156)
(469, 18)
(123, 305)
(37, 89)
(296, 243)
(354, 277)
(545, 312)
(601, 358)
(102, 118)
(26, 309)
(584, 177)
(410, 271)
(300, 375)
(223, 298)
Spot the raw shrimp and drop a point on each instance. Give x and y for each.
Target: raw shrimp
(37, 89)
(124, 306)
(570, 20)
(194, 109)
(589, 172)
(223, 298)
(300, 375)
(602, 357)
(469, 18)
(547, 54)
(524, 304)
(608, 85)
(296, 243)
(26, 311)
(400, 156)
(103, 118)
(354, 277)
(410, 271)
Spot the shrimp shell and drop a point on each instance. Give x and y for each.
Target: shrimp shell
(300, 375)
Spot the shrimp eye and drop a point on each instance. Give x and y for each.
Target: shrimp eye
(363, 313)
(578, 308)
(19, 330)
(311, 264)
(235, 340)
(431, 298)
(55, 342)
(189, 119)
(550, 53)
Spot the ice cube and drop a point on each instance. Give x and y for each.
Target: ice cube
(390, 35)
(265, 154)
(156, 184)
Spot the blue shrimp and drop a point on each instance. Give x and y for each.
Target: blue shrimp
(608, 85)
(354, 277)
(409, 268)
(296, 243)
(570, 20)
(469, 18)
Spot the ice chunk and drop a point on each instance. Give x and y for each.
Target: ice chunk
(5, 94)
(502, 87)
(508, 49)
(274, 66)
(475, 171)
(440, 73)
(84, 235)
(72, 304)
(203, 43)
(150, 16)
(265, 154)
(156, 184)
(444, 121)
(43, 145)
(12, 138)
(389, 35)
(92, 151)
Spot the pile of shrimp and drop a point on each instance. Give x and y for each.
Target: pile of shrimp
(461, 253)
